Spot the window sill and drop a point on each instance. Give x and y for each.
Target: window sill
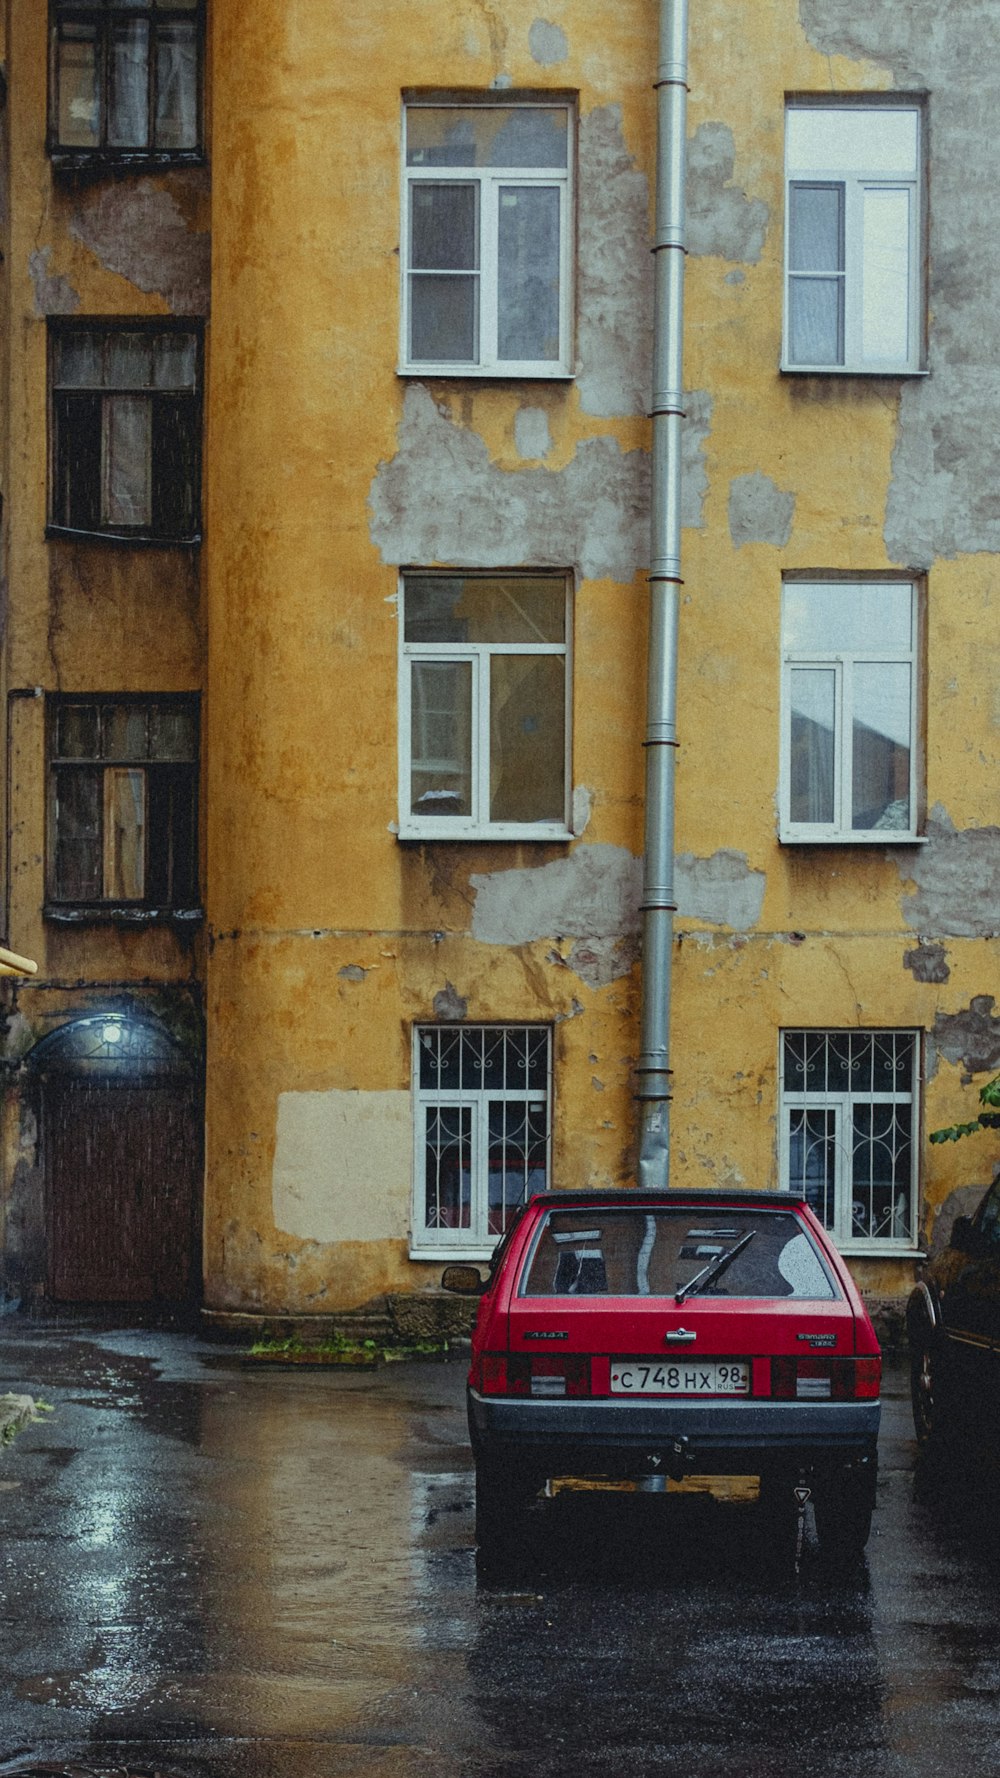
(535, 832)
(879, 1250)
(121, 539)
(443, 1256)
(118, 914)
(850, 370)
(882, 837)
(494, 374)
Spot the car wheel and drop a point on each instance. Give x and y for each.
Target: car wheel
(924, 1386)
(843, 1503)
(503, 1497)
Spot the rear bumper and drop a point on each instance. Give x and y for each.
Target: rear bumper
(615, 1437)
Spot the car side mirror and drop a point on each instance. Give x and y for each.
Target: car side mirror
(963, 1235)
(463, 1280)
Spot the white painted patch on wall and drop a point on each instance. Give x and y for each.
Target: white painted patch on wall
(342, 1164)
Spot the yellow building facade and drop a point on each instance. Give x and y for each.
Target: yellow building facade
(325, 714)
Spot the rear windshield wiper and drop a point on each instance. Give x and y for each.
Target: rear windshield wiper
(714, 1269)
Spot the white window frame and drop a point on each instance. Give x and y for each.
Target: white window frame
(843, 662)
(474, 1243)
(855, 185)
(903, 1242)
(477, 825)
(489, 180)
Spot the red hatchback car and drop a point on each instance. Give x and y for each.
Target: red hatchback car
(633, 1334)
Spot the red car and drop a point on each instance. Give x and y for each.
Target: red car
(633, 1334)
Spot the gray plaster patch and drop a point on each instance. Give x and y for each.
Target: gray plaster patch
(943, 498)
(352, 972)
(583, 804)
(443, 499)
(138, 230)
(594, 893)
(956, 878)
(600, 961)
(759, 511)
(615, 272)
(54, 294)
(450, 1004)
(970, 1038)
(547, 43)
(928, 963)
(722, 222)
(721, 890)
(531, 432)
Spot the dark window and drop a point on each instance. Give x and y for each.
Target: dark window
(126, 417)
(122, 802)
(125, 80)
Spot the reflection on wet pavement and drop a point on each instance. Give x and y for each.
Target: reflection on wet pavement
(212, 1570)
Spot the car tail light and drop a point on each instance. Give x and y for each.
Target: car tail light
(522, 1373)
(826, 1379)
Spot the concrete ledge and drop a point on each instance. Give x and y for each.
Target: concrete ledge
(15, 1412)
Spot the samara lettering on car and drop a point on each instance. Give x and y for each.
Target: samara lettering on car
(628, 1334)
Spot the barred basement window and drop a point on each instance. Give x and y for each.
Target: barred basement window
(125, 80)
(126, 423)
(482, 1097)
(123, 778)
(848, 1122)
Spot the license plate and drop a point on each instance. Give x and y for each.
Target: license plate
(650, 1376)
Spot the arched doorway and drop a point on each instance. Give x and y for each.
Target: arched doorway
(121, 1150)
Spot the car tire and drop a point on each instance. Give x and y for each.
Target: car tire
(843, 1502)
(925, 1385)
(503, 1496)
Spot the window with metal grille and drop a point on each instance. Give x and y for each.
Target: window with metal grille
(123, 778)
(848, 1127)
(482, 1096)
(125, 82)
(126, 424)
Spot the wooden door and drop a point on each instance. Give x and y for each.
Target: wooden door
(121, 1174)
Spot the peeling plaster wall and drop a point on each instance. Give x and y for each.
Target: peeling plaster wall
(759, 512)
(442, 498)
(614, 272)
(722, 222)
(957, 880)
(946, 465)
(594, 893)
(139, 229)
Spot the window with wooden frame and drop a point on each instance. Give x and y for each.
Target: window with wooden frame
(125, 82)
(486, 229)
(849, 732)
(123, 783)
(849, 1129)
(483, 1130)
(484, 706)
(126, 430)
(853, 236)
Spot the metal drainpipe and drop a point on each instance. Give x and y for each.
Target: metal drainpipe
(658, 905)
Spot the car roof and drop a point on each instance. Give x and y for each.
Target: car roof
(612, 1197)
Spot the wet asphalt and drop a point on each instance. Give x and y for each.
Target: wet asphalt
(210, 1569)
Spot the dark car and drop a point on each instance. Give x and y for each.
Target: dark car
(632, 1334)
(953, 1324)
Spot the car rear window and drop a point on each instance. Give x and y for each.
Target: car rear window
(631, 1252)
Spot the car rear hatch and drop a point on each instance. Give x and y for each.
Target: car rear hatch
(677, 1299)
